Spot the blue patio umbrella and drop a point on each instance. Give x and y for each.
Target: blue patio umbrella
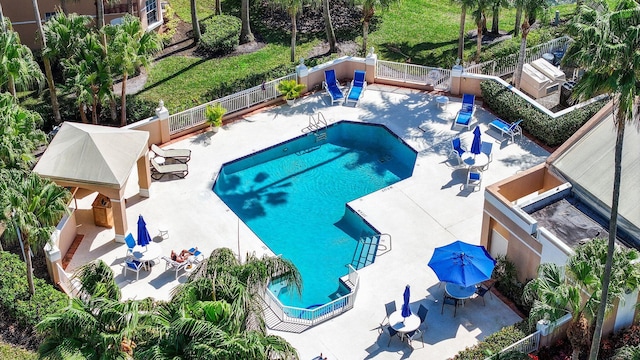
(461, 263)
(476, 145)
(406, 310)
(143, 234)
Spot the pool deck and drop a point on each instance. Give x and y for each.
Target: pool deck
(428, 210)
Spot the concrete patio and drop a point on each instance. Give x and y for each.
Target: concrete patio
(428, 210)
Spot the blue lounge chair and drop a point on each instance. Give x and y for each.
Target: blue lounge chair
(506, 128)
(197, 254)
(358, 85)
(332, 86)
(466, 112)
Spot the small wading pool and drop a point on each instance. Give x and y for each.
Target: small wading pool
(293, 197)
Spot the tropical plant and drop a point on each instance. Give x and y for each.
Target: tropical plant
(495, 10)
(606, 45)
(18, 69)
(519, 5)
(62, 34)
(577, 288)
(214, 114)
(293, 8)
(130, 48)
(530, 7)
(328, 26)
(96, 280)
(368, 10)
(246, 35)
(31, 206)
(464, 5)
(195, 24)
(290, 89)
(19, 134)
(479, 16)
(47, 66)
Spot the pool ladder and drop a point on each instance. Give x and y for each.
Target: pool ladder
(368, 247)
(318, 126)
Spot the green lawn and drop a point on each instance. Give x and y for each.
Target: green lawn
(15, 353)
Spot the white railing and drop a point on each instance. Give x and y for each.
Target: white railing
(232, 103)
(416, 74)
(310, 317)
(507, 65)
(526, 346)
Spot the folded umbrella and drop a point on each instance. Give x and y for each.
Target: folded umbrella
(406, 310)
(143, 234)
(476, 145)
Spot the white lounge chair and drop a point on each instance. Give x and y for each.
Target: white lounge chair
(174, 265)
(179, 155)
(506, 128)
(159, 171)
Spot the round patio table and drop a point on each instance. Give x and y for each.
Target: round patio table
(146, 254)
(403, 325)
(460, 292)
(475, 161)
(442, 101)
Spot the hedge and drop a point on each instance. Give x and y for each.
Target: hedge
(220, 34)
(494, 343)
(552, 132)
(15, 299)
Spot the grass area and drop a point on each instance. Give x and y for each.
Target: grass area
(16, 353)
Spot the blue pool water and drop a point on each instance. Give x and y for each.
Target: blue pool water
(293, 197)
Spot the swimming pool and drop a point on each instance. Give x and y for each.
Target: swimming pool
(293, 196)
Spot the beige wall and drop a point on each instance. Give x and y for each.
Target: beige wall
(67, 233)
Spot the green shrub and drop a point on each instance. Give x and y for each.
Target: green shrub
(494, 343)
(506, 275)
(15, 298)
(220, 34)
(511, 107)
(16, 353)
(225, 88)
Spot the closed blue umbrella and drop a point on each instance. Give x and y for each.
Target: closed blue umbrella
(462, 263)
(476, 145)
(143, 234)
(406, 310)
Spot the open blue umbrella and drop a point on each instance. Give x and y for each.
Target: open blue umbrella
(476, 145)
(406, 310)
(461, 263)
(143, 234)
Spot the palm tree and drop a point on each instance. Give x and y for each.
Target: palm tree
(465, 4)
(63, 33)
(18, 69)
(519, 5)
(556, 292)
(246, 35)
(368, 10)
(96, 280)
(479, 16)
(606, 44)
(31, 206)
(531, 8)
(19, 134)
(495, 9)
(47, 66)
(328, 26)
(3, 23)
(130, 48)
(293, 8)
(194, 22)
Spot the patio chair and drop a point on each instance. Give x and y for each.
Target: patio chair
(465, 114)
(392, 333)
(389, 308)
(197, 255)
(505, 128)
(474, 179)
(487, 148)
(456, 149)
(412, 335)
(358, 85)
(131, 243)
(159, 171)
(482, 290)
(332, 86)
(448, 300)
(174, 265)
(179, 155)
(422, 314)
(133, 265)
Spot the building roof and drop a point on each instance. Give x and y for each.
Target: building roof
(92, 154)
(589, 165)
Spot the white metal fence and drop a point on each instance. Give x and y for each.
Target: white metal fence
(507, 65)
(310, 317)
(416, 74)
(232, 103)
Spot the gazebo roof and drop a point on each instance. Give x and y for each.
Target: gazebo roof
(92, 154)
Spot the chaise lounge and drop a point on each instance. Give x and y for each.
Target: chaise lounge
(179, 155)
(332, 86)
(506, 128)
(158, 171)
(466, 112)
(358, 85)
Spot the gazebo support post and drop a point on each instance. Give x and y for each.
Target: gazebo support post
(119, 218)
(144, 175)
